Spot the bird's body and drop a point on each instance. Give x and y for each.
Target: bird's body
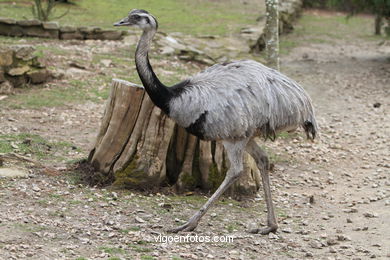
(232, 102)
(238, 100)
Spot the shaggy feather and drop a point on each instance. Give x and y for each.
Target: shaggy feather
(242, 99)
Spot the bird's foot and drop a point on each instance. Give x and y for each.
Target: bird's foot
(189, 226)
(264, 231)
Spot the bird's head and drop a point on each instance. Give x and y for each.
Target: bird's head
(139, 18)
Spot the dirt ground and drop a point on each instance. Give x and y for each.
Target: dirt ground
(332, 196)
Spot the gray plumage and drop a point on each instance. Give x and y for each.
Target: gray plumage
(233, 102)
(242, 99)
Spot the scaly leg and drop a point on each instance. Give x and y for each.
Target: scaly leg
(235, 151)
(263, 164)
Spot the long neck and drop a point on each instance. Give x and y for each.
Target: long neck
(158, 92)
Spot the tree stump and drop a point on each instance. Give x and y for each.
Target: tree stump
(139, 147)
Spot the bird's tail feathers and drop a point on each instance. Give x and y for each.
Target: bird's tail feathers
(311, 129)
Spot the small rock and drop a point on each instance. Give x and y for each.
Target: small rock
(370, 215)
(38, 76)
(273, 236)
(315, 244)
(165, 205)
(139, 220)
(331, 242)
(343, 238)
(36, 188)
(253, 228)
(287, 230)
(50, 25)
(106, 62)
(18, 71)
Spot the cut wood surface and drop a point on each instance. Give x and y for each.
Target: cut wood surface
(140, 147)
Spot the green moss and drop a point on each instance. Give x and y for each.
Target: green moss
(216, 177)
(188, 180)
(128, 176)
(133, 177)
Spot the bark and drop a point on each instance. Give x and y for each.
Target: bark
(140, 147)
(378, 24)
(272, 33)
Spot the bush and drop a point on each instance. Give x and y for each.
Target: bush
(43, 10)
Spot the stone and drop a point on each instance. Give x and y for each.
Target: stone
(6, 57)
(106, 62)
(11, 30)
(39, 31)
(7, 20)
(85, 30)
(18, 71)
(76, 35)
(29, 22)
(167, 50)
(370, 215)
(111, 35)
(139, 220)
(6, 88)
(2, 76)
(18, 81)
(68, 29)
(36, 188)
(12, 173)
(51, 26)
(24, 52)
(38, 76)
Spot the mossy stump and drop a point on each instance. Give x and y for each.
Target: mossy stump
(139, 147)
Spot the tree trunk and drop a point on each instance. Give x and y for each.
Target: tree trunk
(378, 24)
(272, 33)
(140, 147)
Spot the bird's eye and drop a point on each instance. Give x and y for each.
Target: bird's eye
(136, 16)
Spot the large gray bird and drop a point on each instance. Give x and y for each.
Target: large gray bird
(233, 102)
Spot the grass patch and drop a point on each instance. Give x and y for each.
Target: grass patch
(187, 16)
(112, 250)
(75, 91)
(24, 143)
(147, 257)
(319, 28)
(28, 227)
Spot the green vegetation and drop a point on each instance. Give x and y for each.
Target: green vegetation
(147, 257)
(44, 10)
(140, 249)
(320, 29)
(112, 250)
(24, 143)
(195, 16)
(75, 91)
(379, 7)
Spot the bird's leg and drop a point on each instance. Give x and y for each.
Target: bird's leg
(263, 164)
(235, 151)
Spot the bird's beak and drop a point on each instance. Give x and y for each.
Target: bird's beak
(123, 22)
